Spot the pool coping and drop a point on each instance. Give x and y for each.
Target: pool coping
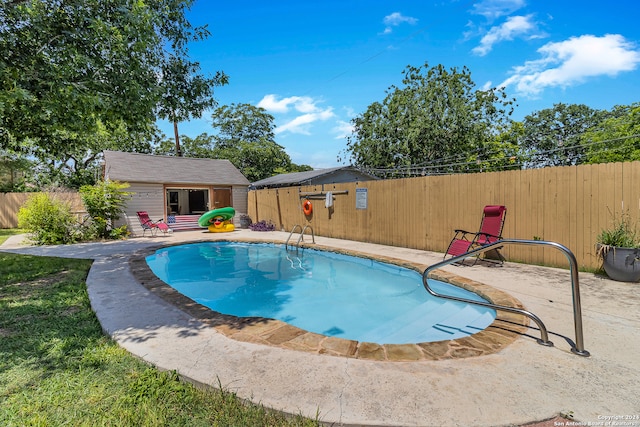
(503, 331)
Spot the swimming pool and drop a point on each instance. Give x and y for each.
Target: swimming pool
(319, 291)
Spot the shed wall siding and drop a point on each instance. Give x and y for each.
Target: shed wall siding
(145, 197)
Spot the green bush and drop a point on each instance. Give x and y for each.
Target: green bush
(105, 202)
(48, 220)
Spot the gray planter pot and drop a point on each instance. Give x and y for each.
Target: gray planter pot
(622, 264)
(245, 222)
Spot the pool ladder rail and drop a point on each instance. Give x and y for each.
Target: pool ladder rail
(578, 348)
(301, 237)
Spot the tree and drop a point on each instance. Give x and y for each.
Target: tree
(201, 146)
(617, 138)
(66, 66)
(438, 116)
(185, 93)
(14, 171)
(501, 153)
(246, 138)
(256, 160)
(242, 122)
(554, 136)
(71, 69)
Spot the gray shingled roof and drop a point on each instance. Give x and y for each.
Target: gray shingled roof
(134, 167)
(304, 178)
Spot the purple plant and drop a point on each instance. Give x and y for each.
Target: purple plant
(262, 226)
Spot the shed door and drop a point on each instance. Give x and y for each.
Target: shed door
(221, 197)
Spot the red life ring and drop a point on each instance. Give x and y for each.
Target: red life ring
(307, 208)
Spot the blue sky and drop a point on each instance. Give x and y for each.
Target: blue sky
(314, 65)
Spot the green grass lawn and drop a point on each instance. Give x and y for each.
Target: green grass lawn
(57, 368)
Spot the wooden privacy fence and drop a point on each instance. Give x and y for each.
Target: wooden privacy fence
(10, 204)
(568, 205)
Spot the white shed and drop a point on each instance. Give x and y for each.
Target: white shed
(176, 189)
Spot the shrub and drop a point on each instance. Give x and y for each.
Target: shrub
(48, 220)
(105, 202)
(622, 235)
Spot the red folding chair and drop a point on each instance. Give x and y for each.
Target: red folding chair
(490, 232)
(152, 226)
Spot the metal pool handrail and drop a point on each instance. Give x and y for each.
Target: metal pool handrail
(301, 237)
(286, 244)
(575, 289)
(313, 237)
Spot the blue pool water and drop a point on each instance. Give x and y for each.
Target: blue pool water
(319, 291)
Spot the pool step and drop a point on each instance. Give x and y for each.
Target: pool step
(467, 321)
(408, 321)
(422, 324)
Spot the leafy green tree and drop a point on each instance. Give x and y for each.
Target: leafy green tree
(201, 146)
(242, 122)
(14, 170)
(293, 167)
(256, 160)
(105, 203)
(185, 92)
(554, 136)
(82, 163)
(67, 65)
(74, 69)
(617, 138)
(501, 153)
(246, 138)
(437, 116)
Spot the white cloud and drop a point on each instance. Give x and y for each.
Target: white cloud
(494, 9)
(342, 129)
(572, 61)
(300, 124)
(303, 104)
(515, 26)
(349, 111)
(396, 19)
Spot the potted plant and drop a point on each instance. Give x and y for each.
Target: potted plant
(619, 248)
(245, 221)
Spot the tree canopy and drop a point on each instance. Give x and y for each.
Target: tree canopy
(245, 136)
(617, 138)
(437, 115)
(242, 122)
(78, 74)
(555, 136)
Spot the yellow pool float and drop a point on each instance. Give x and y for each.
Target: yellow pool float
(218, 220)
